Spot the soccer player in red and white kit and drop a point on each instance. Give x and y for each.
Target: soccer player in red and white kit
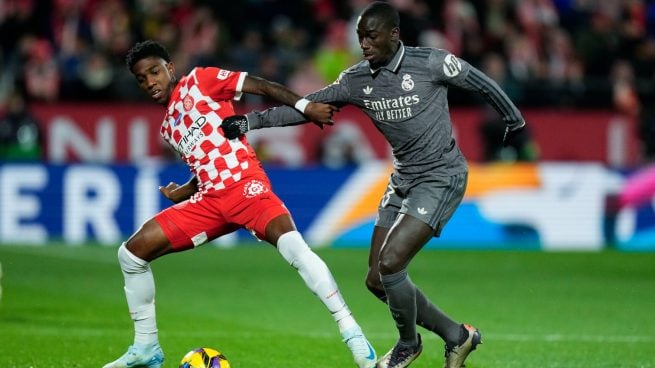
(228, 190)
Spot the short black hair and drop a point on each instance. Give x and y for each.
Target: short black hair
(146, 49)
(384, 11)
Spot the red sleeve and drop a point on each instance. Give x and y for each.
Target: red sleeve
(220, 84)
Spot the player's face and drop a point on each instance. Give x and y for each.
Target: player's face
(378, 41)
(155, 76)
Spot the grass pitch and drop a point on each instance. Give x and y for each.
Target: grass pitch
(64, 307)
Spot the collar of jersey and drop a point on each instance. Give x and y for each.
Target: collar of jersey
(175, 94)
(394, 64)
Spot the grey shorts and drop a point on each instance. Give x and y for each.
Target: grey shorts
(432, 201)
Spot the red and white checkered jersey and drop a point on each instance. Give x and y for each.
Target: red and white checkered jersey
(198, 105)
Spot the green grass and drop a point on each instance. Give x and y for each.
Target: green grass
(64, 307)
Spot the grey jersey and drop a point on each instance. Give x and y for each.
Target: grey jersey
(407, 101)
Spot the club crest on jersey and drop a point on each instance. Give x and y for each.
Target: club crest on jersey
(254, 188)
(367, 90)
(408, 83)
(451, 66)
(188, 103)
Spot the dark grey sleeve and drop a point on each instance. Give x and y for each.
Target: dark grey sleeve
(451, 70)
(275, 117)
(477, 81)
(336, 93)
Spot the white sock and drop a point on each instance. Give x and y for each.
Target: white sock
(140, 295)
(316, 275)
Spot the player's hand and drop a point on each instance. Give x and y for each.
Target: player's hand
(320, 113)
(171, 192)
(234, 126)
(510, 135)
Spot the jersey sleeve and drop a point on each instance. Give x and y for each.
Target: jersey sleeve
(220, 84)
(336, 94)
(447, 68)
(451, 70)
(275, 117)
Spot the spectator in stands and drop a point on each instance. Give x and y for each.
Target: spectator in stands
(17, 20)
(624, 91)
(627, 103)
(333, 55)
(289, 43)
(96, 77)
(492, 127)
(20, 134)
(200, 39)
(247, 51)
(40, 73)
(559, 52)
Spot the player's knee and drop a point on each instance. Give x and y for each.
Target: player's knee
(390, 263)
(293, 247)
(374, 285)
(129, 262)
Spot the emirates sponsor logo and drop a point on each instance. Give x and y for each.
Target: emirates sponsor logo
(393, 109)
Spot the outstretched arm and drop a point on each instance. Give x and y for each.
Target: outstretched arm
(178, 193)
(454, 71)
(496, 97)
(319, 112)
(234, 126)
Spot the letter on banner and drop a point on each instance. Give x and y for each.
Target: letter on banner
(18, 207)
(91, 198)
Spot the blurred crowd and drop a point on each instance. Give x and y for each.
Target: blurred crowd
(554, 53)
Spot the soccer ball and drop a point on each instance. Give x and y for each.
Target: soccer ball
(204, 358)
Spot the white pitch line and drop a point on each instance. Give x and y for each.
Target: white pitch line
(528, 337)
(72, 256)
(487, 336)
(627, 339)
(572, 337)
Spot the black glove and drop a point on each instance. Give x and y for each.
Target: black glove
(235, 125)
(510, 135)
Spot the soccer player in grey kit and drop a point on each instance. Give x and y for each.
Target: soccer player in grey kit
(404, 92)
